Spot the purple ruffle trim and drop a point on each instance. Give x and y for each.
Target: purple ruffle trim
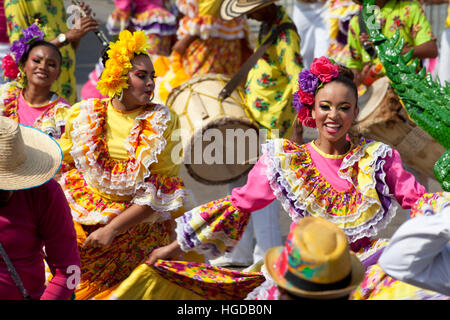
(190, 239)
(385, 201)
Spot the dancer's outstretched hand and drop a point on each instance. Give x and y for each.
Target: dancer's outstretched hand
(170, 252)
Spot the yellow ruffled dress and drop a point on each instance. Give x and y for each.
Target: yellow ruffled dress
(113, 159)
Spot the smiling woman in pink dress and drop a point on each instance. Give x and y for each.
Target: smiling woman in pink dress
(29, 99)
(351, 181)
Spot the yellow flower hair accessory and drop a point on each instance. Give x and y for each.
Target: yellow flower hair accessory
(114, 76)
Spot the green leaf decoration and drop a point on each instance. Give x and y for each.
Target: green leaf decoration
(426, 101)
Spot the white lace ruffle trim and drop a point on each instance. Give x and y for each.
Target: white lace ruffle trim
(211, 30)
(88, 125)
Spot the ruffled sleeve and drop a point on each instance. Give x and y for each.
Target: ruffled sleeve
(202, 19)
(53, 120)
(163, 190)
(9, 93)
(217, 226)
(401, 183)
(430, 204)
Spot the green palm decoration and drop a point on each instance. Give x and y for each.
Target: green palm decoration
(426, 101)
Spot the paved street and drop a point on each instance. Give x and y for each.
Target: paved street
(88, 54)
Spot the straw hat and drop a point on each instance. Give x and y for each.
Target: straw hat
(231, 9)
(315, 262)
(28, 156)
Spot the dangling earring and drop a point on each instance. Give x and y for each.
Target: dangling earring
(121, 96)
(22, 79)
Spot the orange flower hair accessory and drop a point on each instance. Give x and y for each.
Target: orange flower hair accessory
(114, 76)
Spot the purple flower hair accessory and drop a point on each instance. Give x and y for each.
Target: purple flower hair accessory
(33, 33)
(30, 34)
(307, 81)
(296, 102)
(18, 48)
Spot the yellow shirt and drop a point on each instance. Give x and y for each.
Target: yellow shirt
(272, 81)
(118, 126)
(209, 7)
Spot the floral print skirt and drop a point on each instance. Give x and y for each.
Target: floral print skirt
(104, 268)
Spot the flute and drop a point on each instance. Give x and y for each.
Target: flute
(99, 33)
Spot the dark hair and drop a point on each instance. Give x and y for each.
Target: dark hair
(104, 55)
(37, 44)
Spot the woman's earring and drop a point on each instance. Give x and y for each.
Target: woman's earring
(121, 95)
(22, 79)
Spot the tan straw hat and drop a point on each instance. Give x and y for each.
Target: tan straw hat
(231, 9)
(28, 156)
(316, 261)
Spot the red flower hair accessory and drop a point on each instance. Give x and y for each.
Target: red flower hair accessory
(11, 70)
(324, 69)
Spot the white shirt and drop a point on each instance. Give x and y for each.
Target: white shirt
(419, 252)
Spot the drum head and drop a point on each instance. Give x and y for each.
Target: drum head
(220, 141)
(372, 98)
(227, 149)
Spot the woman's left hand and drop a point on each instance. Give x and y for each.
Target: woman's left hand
(101, 237)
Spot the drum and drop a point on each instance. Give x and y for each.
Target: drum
(382, 117)
(220, 141)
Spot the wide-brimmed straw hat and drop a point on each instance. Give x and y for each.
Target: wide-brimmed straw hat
(231, 9)
(28, 156)
(316, 261)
